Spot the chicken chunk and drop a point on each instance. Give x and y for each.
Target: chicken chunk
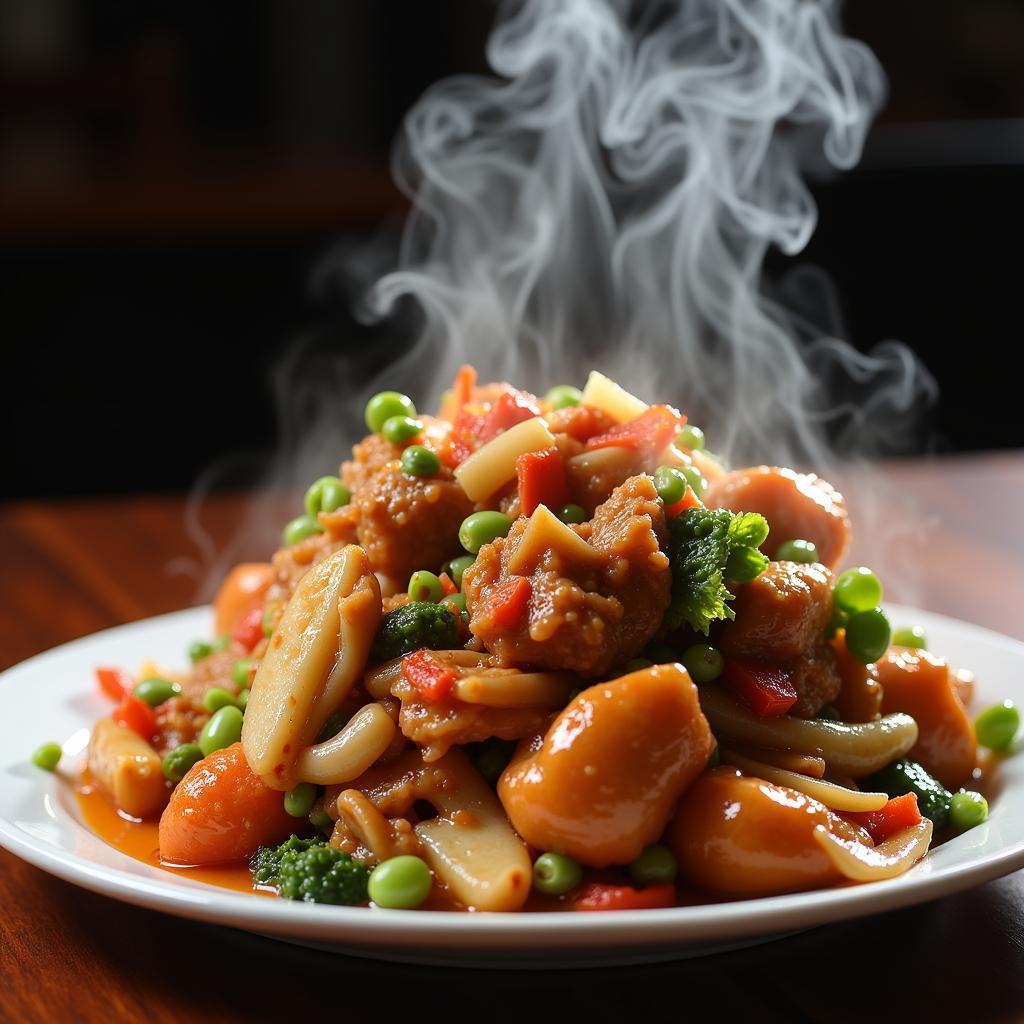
(597, 592)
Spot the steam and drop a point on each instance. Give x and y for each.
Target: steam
(607, 200)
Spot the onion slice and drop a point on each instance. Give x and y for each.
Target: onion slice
(862, 863)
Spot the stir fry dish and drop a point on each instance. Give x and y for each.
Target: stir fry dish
(548, 653)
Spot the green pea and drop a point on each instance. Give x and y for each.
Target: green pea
(655, 865)
(997, 726)
(661, 654)
(399, 429)
(636, 664)
(223, 729)
(691, 437)
(967, 809)
(216, 698)
(670, 484)
(838, 621)
(456, 602)
(242, 700)
(180, 760)
(199, 650)
(829, 714)
(322, 821)
(797, 551)
(47, 756)
(703, 662)
(481, 528)
(241, 671)
(564, 395)
(457, 568)
(419, 461)
(910, 636)
(327, 494)
(299, 800)
(554, 874)
(695, 479)
(154, 691)
(745, 564)
(386, 404)
(300, 528)
(401, 883)
(221, 643)
(425, 586)
(572, 514)
(857, 590)
(868, 635)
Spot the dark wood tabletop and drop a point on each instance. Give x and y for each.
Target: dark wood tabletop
(944, 534)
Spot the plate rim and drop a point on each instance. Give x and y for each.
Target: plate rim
(698, 923)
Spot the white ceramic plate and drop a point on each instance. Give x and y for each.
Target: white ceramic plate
(54, 696)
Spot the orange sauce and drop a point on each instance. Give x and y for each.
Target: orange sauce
(138, 839)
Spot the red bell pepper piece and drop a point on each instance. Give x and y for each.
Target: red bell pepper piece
(599, 896)
(542, 481)
(249, 629)
(766, 689)
(899, 813)
(650, 433)
(136, 715)
(114, 682)
(507, 603)
(429, 677)
(462, 386)
(688, 500)
(448, 584)
(510, 408)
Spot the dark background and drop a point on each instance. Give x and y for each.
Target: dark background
(171, 175)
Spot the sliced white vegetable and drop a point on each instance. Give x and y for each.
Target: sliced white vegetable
(603, 393)
(863, 863)
(489, 468)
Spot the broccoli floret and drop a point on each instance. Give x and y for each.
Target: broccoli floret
(699, 545)
(412, 626)
(312, 871)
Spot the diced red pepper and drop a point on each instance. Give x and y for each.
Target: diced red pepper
(599, 896)
(507, 604)
(899, 813)
(510, 408)
(766, 689)
(542, 480)
(114, 682)
(430, 678)
(137, 715)
(249, 630)
(688, 500)
(650, 433)
(448, 584)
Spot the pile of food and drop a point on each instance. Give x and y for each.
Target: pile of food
(540, 653)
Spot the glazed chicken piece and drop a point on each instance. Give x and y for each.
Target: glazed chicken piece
(780, 619)
(583, 598)
(798, 506)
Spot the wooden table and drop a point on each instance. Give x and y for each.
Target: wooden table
(68, 955)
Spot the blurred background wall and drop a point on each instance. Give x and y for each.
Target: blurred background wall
(171, 175)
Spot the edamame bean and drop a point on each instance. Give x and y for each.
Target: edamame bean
(481, 528)
(48, 756)
(691, 437)
(386, 404)
(670, 484)
(997, 726)
(419, 461)
(655, 865)
(241, 672)
(216, 698)
(425, 586)
(327, 494)
(154, 691)
(562, 396)
(401, 883)
(299, 800)
(242, 700)
(857, 590)
(572, 514)
(223, 729)
(703, 662)
(198, 650)
(695, 479)
(300, 528)
(399, 429)
(180, 760)
(554, 874)
(867, 635)
(967, 809)
(797, 551)
(458, 566)
(910, 636)
(455, 602)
